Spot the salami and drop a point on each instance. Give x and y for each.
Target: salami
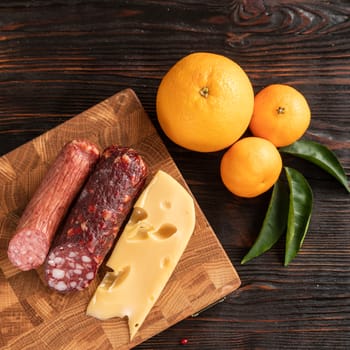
(70, 266)
(45, 211)
(95, 219)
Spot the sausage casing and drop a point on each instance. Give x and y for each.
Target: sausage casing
(45, 211)
(96, 218)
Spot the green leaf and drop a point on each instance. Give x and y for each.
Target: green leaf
(299, 214)
(274, 223)
(321, 156)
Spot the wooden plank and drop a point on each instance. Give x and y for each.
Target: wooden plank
(32, 314)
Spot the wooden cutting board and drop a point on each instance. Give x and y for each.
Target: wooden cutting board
(31, 315)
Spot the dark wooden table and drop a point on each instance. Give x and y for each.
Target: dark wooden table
(58, 58)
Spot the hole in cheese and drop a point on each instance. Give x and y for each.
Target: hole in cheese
(165, 204)
(165, 262)
(138, 214)
(140, 232)
(165, 231)
(114, 279)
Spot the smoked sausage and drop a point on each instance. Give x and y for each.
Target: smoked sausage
(95, 219)
(45, 211)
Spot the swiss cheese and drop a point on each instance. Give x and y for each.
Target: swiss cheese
(146, 253)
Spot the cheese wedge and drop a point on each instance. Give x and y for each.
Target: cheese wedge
(146, 253)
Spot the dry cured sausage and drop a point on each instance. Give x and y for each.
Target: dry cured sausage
(95, 219)
(45, 211)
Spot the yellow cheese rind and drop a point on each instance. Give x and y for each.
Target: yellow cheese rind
(146, 253)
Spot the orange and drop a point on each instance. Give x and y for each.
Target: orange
(250, 167)
(205, 102)
(281, 114)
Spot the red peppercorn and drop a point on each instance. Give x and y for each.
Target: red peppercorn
(183, 341)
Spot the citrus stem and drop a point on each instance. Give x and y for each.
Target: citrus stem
(280, 110)
(204, 91)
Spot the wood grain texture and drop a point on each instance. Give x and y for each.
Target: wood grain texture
(57, 58)
(30, 313)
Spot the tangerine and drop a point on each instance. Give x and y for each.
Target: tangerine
(250, 167)
(281, 114)
(205, 102)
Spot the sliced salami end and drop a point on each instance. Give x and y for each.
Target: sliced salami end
(69, 267)
(28, 249)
